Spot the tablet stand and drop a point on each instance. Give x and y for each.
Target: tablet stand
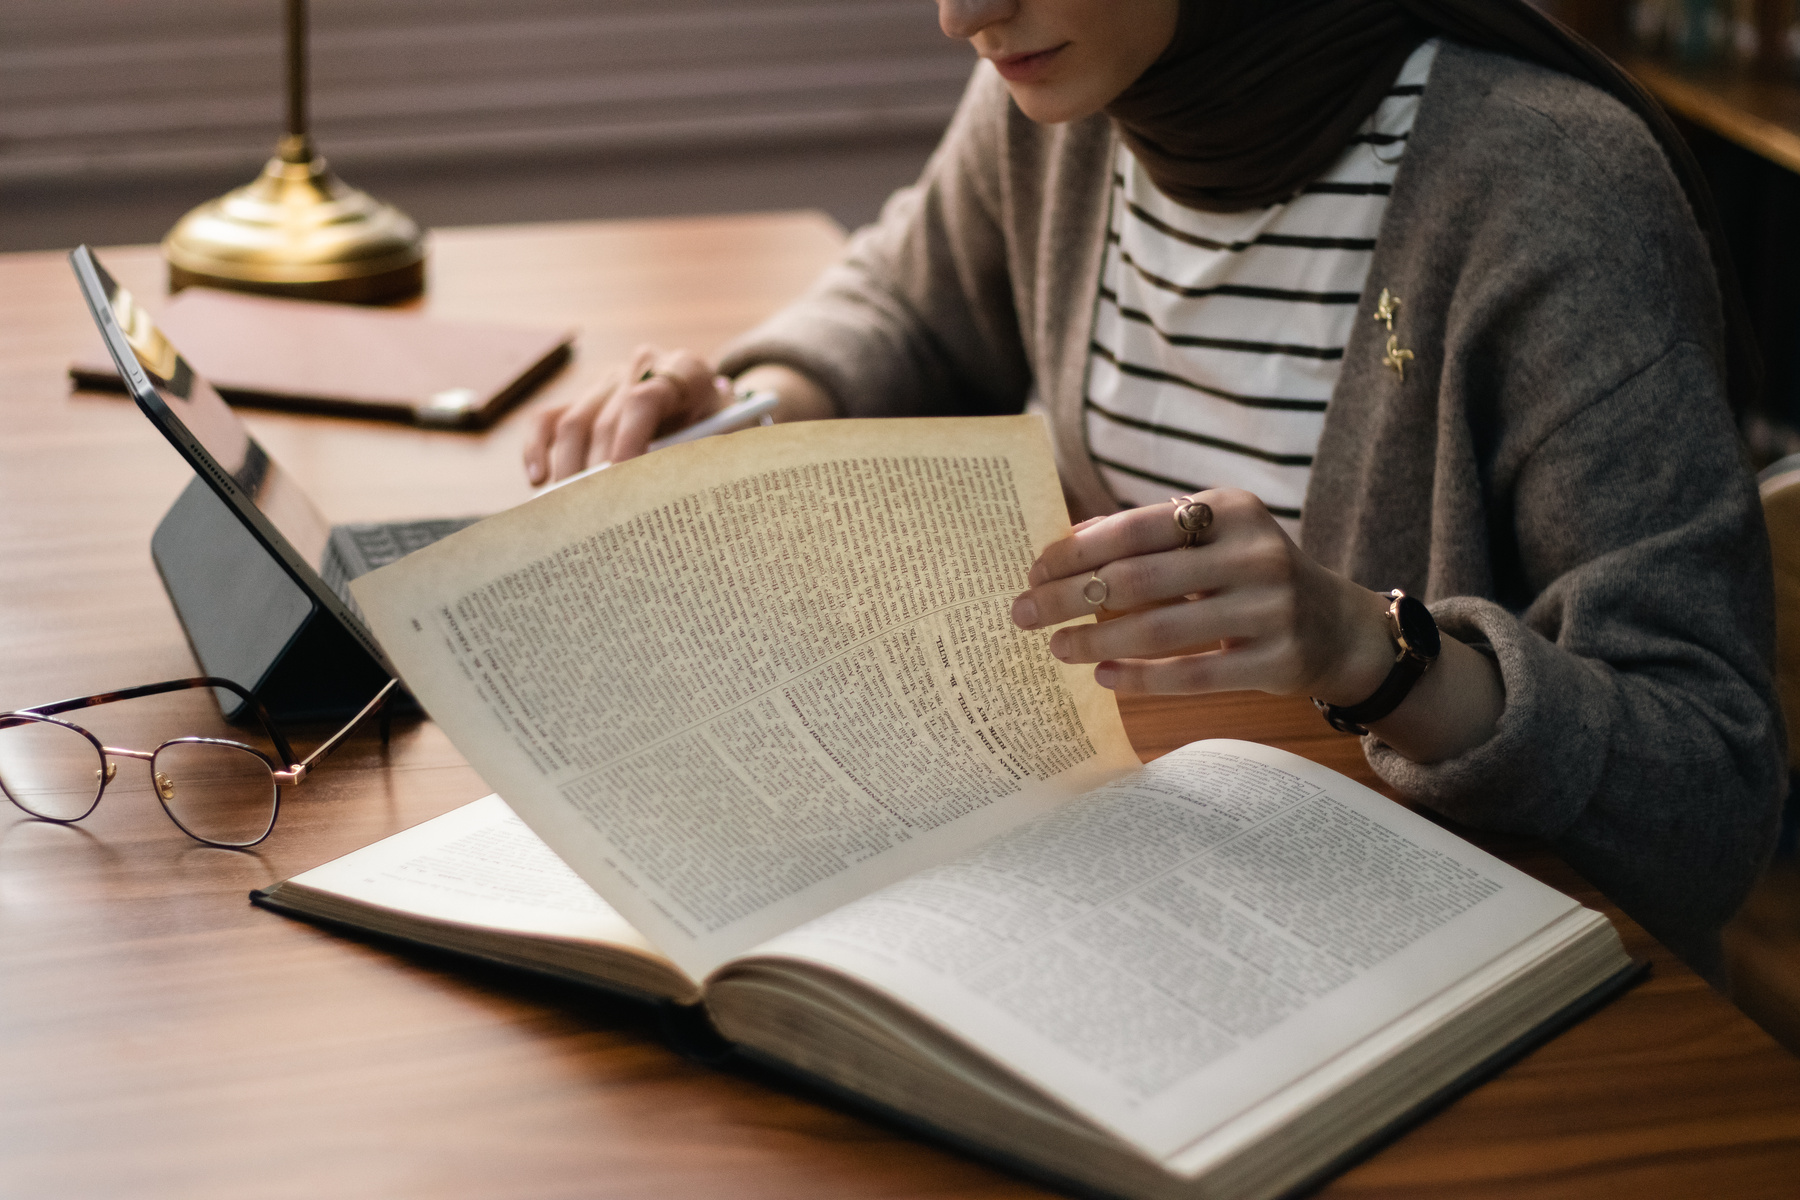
(248, 620)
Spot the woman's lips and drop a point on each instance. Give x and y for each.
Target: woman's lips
(1028, 68)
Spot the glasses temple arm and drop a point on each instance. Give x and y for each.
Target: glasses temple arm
(148, 689)
(251, 703)
(381, 696)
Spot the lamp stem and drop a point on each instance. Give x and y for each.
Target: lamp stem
(297, 145)
(296, 229)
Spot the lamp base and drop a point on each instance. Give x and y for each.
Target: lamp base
(299, 231)
(386, 288)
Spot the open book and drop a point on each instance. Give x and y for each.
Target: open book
(761, 696)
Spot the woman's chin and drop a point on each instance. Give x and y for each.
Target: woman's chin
(1048, 104)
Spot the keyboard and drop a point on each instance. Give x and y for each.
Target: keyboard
(379, 545)
(355, 550)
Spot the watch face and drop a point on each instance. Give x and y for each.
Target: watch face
(1417, 628)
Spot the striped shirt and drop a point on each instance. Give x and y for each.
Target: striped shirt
(1218, 336)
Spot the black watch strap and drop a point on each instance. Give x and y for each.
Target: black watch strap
(1416, 645)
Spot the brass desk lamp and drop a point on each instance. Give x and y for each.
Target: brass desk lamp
(297, 230)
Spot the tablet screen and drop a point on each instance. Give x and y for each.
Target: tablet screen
(192, 404)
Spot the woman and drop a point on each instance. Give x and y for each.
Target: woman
(1441, 313)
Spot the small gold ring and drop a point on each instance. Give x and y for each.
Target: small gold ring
(652, 373)
(1095, 595)
(1191, 517)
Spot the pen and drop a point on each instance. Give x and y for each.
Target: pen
(752, 408)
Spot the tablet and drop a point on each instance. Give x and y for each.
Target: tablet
(256, 573)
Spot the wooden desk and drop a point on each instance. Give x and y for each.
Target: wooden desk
(160, 1037)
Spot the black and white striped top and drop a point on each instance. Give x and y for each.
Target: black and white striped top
(1219, 336)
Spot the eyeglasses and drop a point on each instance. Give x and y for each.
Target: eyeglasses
(220, 792)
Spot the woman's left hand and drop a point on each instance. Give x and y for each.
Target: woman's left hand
(1242, 609)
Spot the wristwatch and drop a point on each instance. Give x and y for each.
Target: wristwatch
(1416, 646)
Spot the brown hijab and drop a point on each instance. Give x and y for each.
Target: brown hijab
(1254, 98)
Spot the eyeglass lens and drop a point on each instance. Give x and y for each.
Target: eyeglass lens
(217, 792)
(50, 770)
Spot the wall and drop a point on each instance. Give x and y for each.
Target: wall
(468, 111)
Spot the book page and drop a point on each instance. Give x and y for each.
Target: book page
(741, 681)
(477, 865)
(477, 881)
(1185, 942)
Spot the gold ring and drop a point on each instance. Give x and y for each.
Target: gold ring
(1095, 596)
(1191, 516)
(652, 373)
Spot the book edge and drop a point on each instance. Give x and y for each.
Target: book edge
(1428, 1106)
(1545, 1031)
(92, 377)
(266, 898)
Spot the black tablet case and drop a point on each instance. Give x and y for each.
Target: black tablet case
(247, 620)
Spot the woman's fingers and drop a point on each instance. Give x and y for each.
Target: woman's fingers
(1229, 669)
(1122, 586)
(1127, 534)
(565, 434)
(665, 392)
(629, 409)
(1281, 622)
(634, 419)
(562, 433)
(538, 442)
(1239, 614)
(1141, 557)
(655, 391)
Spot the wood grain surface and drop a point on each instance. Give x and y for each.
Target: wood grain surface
(159, 1037)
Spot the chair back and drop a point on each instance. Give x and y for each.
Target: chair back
(1779, 484)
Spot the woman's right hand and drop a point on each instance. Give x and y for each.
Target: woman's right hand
(653, 391)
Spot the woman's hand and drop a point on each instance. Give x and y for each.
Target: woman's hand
(1245, 608)
(653, 391)
(656, 392)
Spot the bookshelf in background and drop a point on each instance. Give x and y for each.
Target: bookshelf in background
(1729, 72)
(1729, 66)
(1760, 114)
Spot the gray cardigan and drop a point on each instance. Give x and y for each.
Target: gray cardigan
(1557, 474)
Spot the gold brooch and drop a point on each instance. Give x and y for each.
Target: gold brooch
(1396, 357)
(1386, 307)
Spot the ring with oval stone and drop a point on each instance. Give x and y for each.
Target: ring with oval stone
(1191, 517)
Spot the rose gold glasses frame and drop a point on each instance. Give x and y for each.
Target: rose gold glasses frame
(291, 773)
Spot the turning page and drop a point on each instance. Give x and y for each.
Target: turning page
(742, 681)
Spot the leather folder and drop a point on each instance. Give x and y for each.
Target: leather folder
(349, 360)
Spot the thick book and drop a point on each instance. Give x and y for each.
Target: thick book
(769, 745)
(349, 359)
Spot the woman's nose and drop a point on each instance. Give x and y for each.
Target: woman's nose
(966, 18)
